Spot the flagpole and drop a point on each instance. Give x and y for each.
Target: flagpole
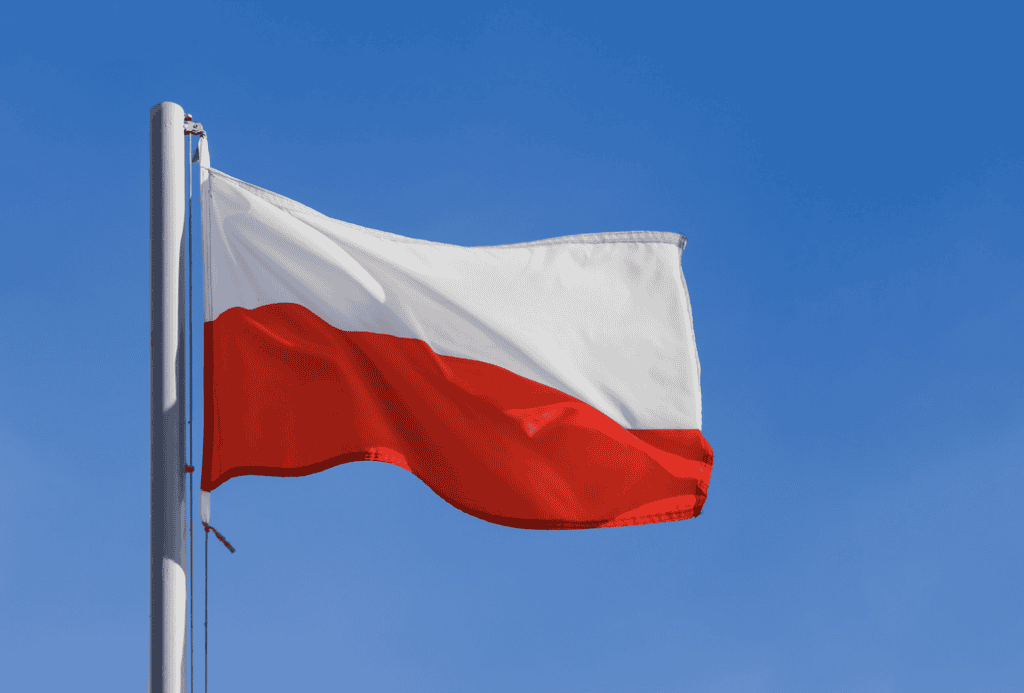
(167, 584)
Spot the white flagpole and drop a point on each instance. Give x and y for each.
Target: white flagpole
(167, 584)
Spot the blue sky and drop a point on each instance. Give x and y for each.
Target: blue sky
(851, 180)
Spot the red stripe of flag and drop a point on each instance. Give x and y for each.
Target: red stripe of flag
(287, 394)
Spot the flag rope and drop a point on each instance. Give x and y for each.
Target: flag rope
(191, 457)
(195, 128)
(206, 613)
(206, 600)
(209, 528)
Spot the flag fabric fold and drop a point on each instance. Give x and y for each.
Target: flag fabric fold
(552, 384)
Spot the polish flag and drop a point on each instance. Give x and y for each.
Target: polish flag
(547, 385)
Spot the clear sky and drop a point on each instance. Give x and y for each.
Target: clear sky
(851, 181)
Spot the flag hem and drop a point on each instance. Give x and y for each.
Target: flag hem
(378, 454)
(291, 206)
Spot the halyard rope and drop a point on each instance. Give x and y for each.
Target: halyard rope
(210, 528)
(206, 613)
(206, 600)
(190, 464)
(191, 458)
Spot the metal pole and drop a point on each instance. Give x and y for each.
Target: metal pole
(167, 584)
